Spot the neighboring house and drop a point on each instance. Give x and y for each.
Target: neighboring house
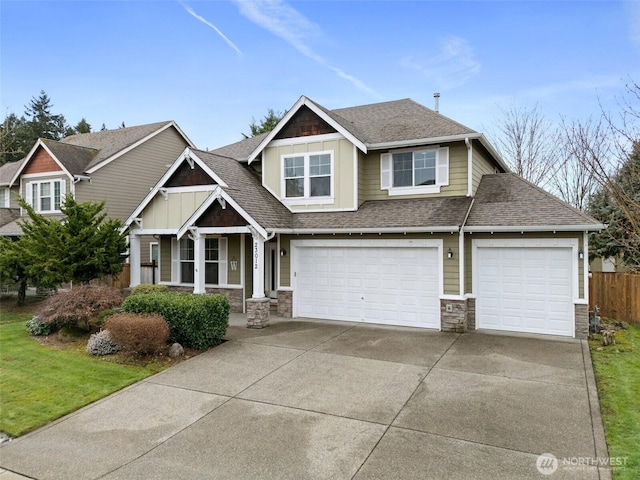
(118, 166)
(387, 213)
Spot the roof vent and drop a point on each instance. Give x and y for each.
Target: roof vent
(436, 102)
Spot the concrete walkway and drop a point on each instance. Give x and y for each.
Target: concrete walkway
(311, 399)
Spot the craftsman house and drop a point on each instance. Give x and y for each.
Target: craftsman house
(118, 166)
(388, 213)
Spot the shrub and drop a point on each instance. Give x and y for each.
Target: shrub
(145, 288)
(101, 343)
(104, 314)
(36, 327)
(196, 321)
(79, 305)
(138, 333)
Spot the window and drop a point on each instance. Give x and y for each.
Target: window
(4, 198)
(211, 260)
(187, 258)
(411, 172)
(308, 176)
(46, 196)
(153, 252)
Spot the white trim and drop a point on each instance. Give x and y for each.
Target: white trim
(424, 189)
(223, 230)
(153, 231)
(318, 111)
(452, 297)
(52, 174)
(27, 160)
(355, 177)
(229, 286)
(151, 245)
(469, 144)
(585, 267)
(310, 139)
(118, 154)
(243, 281)
(285, 289)
(187, 189)
(441, 155)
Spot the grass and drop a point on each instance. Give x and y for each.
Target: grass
(39, 384)
(617, 369)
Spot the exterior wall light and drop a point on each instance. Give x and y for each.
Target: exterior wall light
(581, 254)
(450, 253)
(283, 252)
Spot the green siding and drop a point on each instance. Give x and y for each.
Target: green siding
(165, 259)
(233, 253)
(481, 166)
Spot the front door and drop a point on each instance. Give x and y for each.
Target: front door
(271, 269)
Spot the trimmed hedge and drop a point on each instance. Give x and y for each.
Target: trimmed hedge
(196, 321)
(146, 288)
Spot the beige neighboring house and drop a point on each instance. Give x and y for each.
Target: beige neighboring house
(389, 213)
(118, 166)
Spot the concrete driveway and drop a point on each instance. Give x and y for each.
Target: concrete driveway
(311, 399)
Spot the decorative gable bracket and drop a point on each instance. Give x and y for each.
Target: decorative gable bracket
(138, 222)
(222, 202)
(164, 192)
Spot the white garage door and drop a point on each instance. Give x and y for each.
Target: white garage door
(525, 289)
(377, 284)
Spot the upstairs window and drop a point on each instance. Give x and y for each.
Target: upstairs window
(46, 196)
(307, 176)
(414, 172)
(4, 198)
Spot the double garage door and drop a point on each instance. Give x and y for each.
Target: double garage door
(387, 282)
(524, 288)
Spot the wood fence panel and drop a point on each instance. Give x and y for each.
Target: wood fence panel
(616, 294)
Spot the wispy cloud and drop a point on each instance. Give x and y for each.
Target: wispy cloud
(293, 27)
(209, 24)
(453, 66)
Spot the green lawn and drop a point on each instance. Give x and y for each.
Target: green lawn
(617, 369)
(39, 384)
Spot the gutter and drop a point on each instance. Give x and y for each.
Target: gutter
(360, 231)
(461, 272)
(538, 228)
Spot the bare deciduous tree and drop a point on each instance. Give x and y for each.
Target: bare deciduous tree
(525, 140)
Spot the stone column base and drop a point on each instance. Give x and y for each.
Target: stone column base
(453, 316)
(258, 312)
(581, 318)
(285, 303)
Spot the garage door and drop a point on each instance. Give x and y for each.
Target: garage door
(525, 289)
(396, 285)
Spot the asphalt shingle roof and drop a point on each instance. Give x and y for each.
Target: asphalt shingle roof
(75, 159)
(246, 189)
(8, 170)
(401, 213)
(110, 142)
(507, 200)
(242, 149)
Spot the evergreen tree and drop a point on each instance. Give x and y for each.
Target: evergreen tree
(43, 123)
(267, 124)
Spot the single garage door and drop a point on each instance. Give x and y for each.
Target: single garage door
(525, 289)
(396, 285)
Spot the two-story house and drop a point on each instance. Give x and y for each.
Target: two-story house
(118, 166)
(388, 213)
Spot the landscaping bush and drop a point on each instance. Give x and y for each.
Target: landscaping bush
(36, 327)
(138, 333)
(76, 307)
(102, 316)
(196, 321)
(101, 343)
(145, 288)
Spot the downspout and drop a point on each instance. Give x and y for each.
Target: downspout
(469, 145)
(461, 255)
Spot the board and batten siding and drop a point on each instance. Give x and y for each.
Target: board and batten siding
(172, 212)
(343, 170)
(125, 182)
(165, 258)
(451, 274)
(369, 175)
(468, 268)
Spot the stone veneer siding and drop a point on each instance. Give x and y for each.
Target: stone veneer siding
(455, 321)
(285, 303)
(234, 295)
(258, 312)
(471, 313)
(581, 312)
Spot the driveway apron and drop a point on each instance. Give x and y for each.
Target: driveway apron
(336, 400)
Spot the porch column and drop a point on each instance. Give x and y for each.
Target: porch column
(198, 262)
(134, 260)
(257, 260)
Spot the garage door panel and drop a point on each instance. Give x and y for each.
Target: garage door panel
(375, 284)
(527, 289)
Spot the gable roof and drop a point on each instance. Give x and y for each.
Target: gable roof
(242, 149)
(87, 152)
(507, 202)
(7, 171)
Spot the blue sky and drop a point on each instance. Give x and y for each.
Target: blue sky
(213, 65)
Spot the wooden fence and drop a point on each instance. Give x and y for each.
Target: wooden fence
(616, 294)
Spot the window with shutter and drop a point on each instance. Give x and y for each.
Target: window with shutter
(410, 172)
